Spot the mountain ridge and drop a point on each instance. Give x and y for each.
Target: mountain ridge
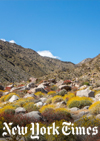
(27, 61)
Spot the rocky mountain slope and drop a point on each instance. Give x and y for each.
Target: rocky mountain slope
(18, 63)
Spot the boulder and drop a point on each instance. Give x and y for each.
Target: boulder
(13, 98)
(53, 80)
(2, 87)
(41, 90)
(67, 88)
(43, 99)
(41, 86)
(30, 95)
(38, 104)
(34, 115)
(20, 110)
(59, 83)
(74, 109)
(97, 97)
(86, 107)
(32, 90)
(85, 93)
(83, 87)
(30, 85)
(59, 104)
(32, 79)
(9, 87)
(98, 116)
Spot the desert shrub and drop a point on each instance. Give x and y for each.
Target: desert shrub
(61, 136)
(62, 113)
(87, 121)
(57, 98)
(97, 92)
(7, 97)
(49, 101)
(48, 113)
(31, 107)
(62, 92)
(79, 102)
(95, 108)
(2, 98)
(68, 96)
(54, 88)
(46, 108)
(40, 94)
(21, 102)
(53, 93)
(86, 83)
(67, 82)
(7, 109)
(10, 111)
(1, 128)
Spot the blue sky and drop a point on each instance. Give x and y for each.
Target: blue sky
(69, 29)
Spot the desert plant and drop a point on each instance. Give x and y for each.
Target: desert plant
(40, 94)
(31, 107)
(53, 93)
(79, 102)
(57, 98)
(49, 101)
(68, 96)
(95, 108)
(62, 92)
(7, 97)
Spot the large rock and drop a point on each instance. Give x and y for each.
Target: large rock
(18, 88)
(53, 80)
(34, 90)
(34, 115)
(41, 90)
(32, 79)
(59, 83)
(20, 110)
(83, 87)
(67, 88)
(30, 95)
(39, 104)
(97, 97)
(9, 87)
(2, 87)
(43, 99)
(85, 93)
(74, 109)
(13, 98)
(98, 116)
(30, 85)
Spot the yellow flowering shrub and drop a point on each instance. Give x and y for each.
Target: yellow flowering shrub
(52, 93)
(46, 108)
(61, 136)
(95, 108)
(21, 102)
(49, 101)
(31, 107)
(87, 121)
(79, 102)
(57, 98)
(7, 108)
(97, 92)
(7, 97)
(40, 94)
(68, 96)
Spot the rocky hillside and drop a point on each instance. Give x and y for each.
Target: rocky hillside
(18, 63)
